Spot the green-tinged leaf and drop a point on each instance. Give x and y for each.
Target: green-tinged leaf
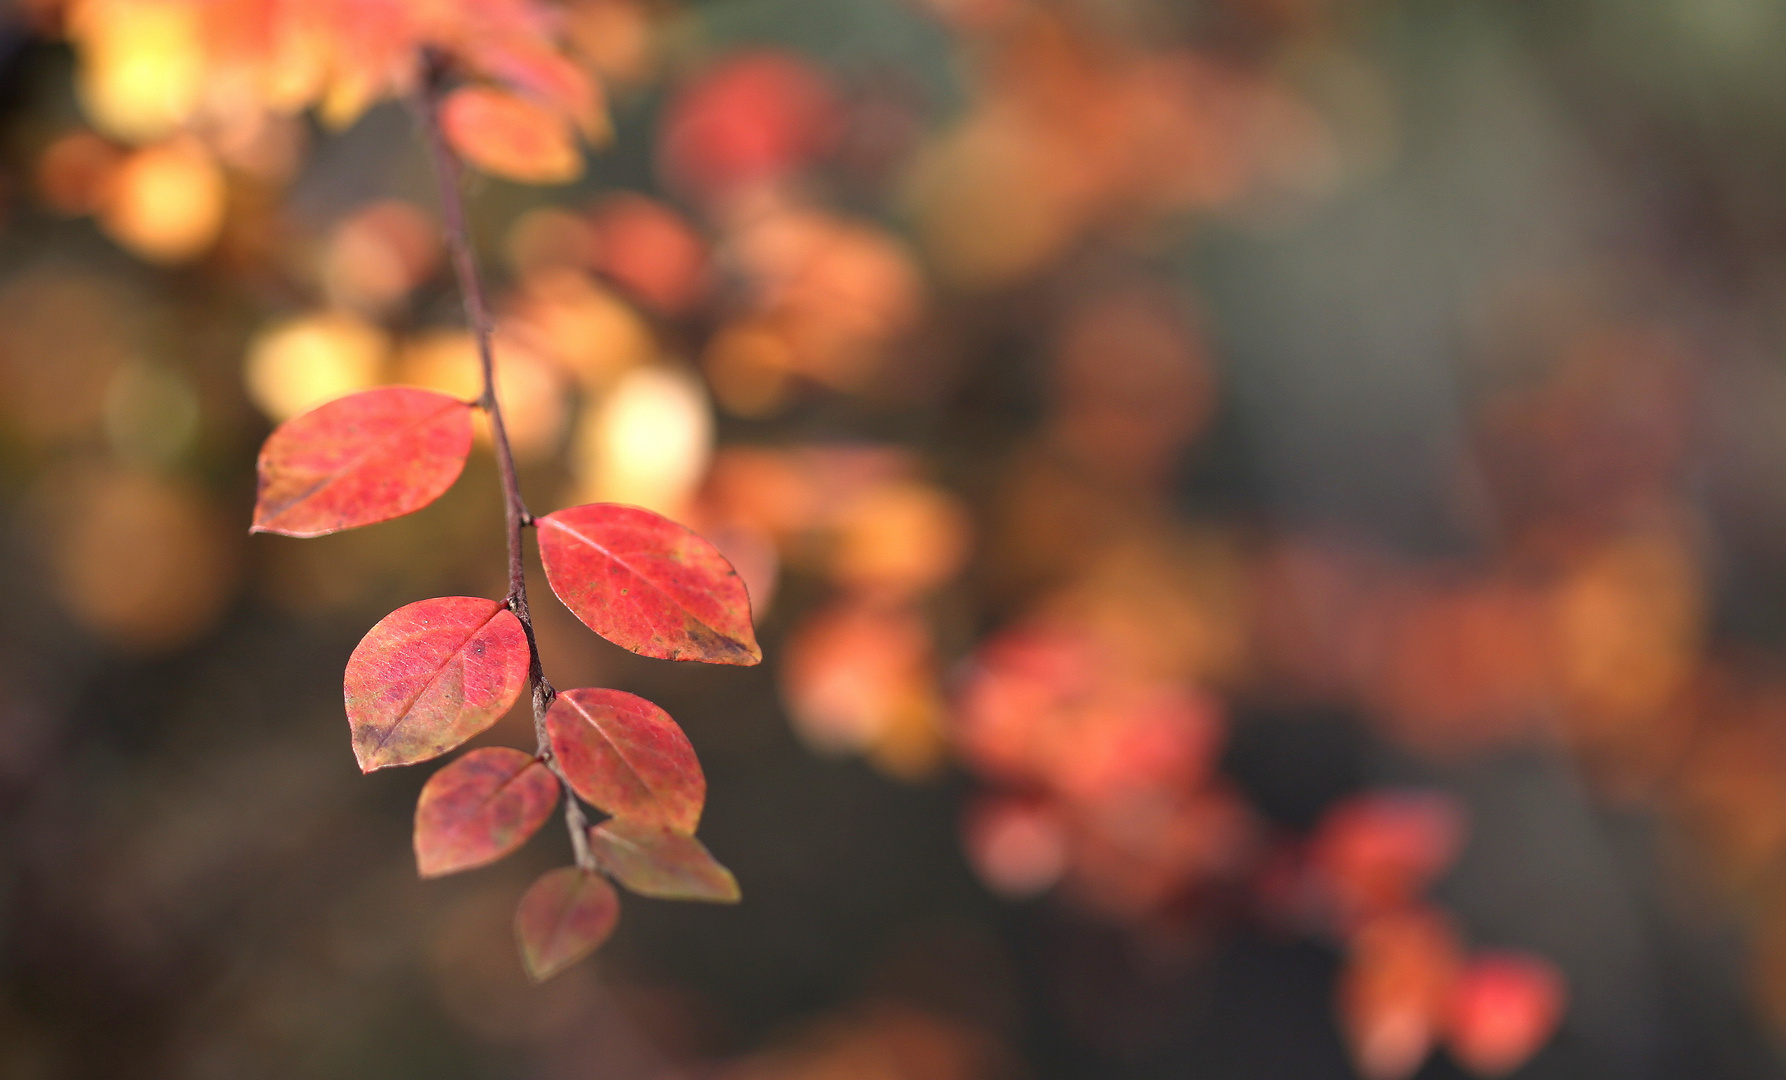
(562, 918)
(431, 675)
(654, 861)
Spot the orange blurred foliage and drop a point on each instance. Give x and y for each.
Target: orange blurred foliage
(1395, 991)
(145, 562)
(510, 136)
(377, 255)
(859, 678)
(165, 202)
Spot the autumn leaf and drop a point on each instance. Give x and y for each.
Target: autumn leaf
(509, 136)
(546, 75)
(1503, 1009)
(480, 808)
(1377, 851)
(626, 756)
(431, 675)
(562, 918)
(1393, 991)
(360, 459)
(654, 861)
(648, 584)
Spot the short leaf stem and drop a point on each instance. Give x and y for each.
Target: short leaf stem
(477, 312)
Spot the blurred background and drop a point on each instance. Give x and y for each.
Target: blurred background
(1267, 519)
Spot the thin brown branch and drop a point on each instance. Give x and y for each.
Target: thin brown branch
(447, 172)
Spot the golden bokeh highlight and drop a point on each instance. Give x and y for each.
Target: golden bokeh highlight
(578, 324)
(166, 202)
(297, 364)
(534, 395)
(145, 562)
(142, 65)
(647, 442)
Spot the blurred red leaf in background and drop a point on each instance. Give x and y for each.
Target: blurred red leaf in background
(627, 757)
(1380, 850)
(1505, 1006)
(755, 118)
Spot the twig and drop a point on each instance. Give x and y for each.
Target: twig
(458, 237)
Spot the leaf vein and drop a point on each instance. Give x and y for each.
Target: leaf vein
(435, 677)
(660, 590)
(354, 463)
(632, 769)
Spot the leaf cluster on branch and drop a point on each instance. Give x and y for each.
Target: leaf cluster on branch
(437, 672)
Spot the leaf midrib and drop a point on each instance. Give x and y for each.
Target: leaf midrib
(635, 572)
(342, 470)
(632, 769)
(434, 677)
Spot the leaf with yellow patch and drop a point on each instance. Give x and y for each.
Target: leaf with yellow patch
(431, 675)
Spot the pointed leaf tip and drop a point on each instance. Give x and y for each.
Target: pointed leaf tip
(654, 861)
(364, 458)
(626, 756)
(431, 675)
(480, 808)
(562, 918)
(648, 584)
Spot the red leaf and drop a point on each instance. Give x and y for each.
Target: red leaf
(510, 137)
(1377, 851)
(431, 675)
(628, 757)
(648, 584)
(480, 808)
(363, 458)
(654, 861)
(562, 918)
(1505, 1006)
